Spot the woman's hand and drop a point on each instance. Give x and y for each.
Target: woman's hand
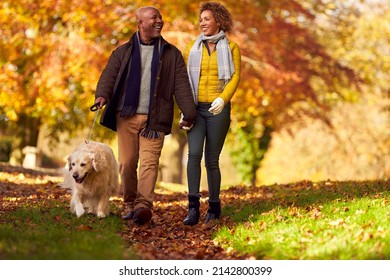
(217, 106)
(185, 125)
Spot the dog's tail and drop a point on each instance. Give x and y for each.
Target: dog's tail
(67, 183)
(63, 185)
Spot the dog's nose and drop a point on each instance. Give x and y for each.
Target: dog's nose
(75, 175)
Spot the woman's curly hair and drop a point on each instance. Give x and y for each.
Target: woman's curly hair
(220, 13)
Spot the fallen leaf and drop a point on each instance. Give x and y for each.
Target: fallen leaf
(337, 222)
(84, 227)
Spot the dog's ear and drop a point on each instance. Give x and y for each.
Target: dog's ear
(94, 161)
(69, 163)
(99, 160)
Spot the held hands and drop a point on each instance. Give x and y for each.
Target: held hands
(217, 106)
(185, 125)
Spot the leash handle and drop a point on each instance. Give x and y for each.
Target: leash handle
(94, 107)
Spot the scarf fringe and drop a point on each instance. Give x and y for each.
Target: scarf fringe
(150, 134)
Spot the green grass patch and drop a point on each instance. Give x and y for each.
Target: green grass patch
(46, 230)
(318, 221)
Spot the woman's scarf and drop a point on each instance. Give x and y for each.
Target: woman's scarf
(224, 57)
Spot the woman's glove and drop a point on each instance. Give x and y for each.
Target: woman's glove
(217, 106)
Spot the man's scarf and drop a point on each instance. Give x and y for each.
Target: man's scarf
(224, 57)
(134, 83)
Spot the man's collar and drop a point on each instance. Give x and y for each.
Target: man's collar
(151, 43)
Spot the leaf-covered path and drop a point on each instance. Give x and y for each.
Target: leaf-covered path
(165, 237)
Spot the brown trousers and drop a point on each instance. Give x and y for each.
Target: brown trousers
(138, 191)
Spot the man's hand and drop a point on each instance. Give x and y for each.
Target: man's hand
(101, 101)
(185, 125)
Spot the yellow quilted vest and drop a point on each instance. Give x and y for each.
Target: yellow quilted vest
(209, 85)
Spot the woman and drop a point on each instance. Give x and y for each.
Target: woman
(213, 64)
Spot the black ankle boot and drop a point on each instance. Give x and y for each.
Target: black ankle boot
(193, 211)
(214, 211)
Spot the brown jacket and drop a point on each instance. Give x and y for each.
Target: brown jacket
(172, 84)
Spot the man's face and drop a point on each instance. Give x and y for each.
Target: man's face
(150, 24)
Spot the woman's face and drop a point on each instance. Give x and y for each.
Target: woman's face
(207, 23)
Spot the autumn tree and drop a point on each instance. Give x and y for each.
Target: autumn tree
(51, 53)
(362, 39)
(287, 74)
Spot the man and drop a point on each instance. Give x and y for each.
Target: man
(139, 84)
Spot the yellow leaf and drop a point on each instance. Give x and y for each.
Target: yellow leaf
(337, 222)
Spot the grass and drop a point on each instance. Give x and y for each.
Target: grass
(47, 230)
(342, 221)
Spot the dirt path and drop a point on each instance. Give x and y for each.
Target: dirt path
(167, 238)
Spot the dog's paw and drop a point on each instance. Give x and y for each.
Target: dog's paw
(100, 214)
(80, 211)
(79, 214)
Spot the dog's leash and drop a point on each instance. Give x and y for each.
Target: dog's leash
(94, 107)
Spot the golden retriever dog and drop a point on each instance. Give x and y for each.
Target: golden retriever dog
(92, 177)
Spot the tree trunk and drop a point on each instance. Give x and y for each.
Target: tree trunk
(177, 159)
(28, 131)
